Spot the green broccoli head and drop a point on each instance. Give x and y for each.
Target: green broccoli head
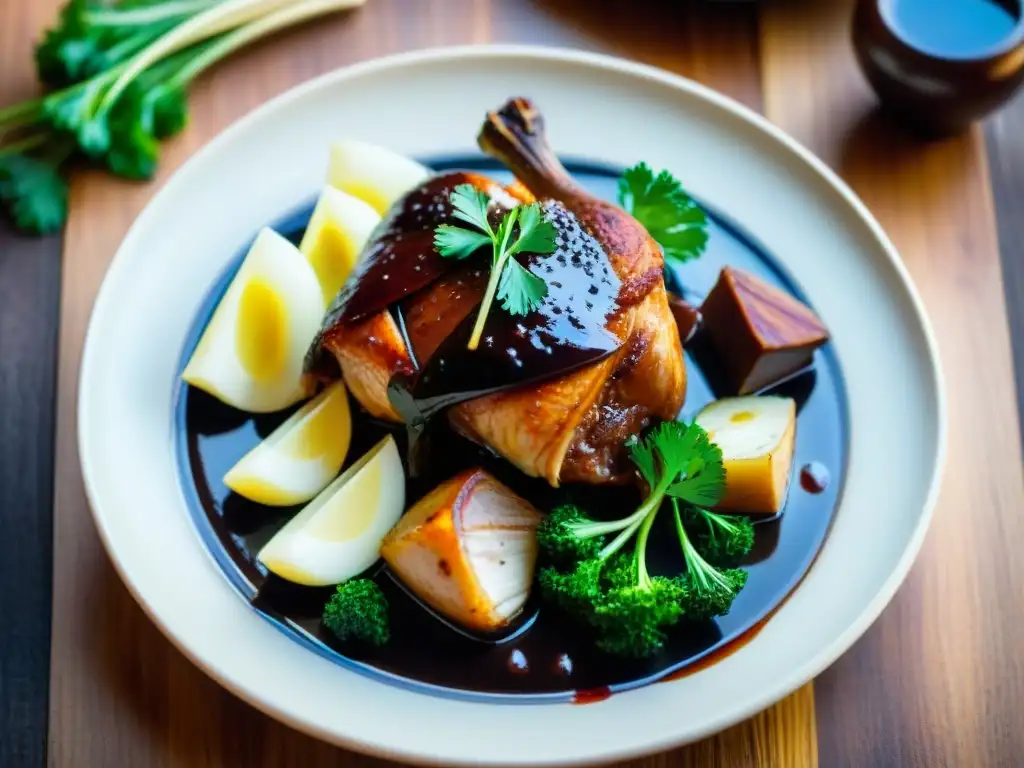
(627, 610)
(576, 592)
(620, 571)
(561, 540)
(722, 540)
(712, 593)
(631, 620)
(358, 612)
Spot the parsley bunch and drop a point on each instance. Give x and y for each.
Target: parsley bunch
(669, 214)
(121, 74)
(522, 230)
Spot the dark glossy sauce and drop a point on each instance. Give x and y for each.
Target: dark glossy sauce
(592, 695)
(814, 477)
(953, 28)
(400, 258)
(721, 652)
(567, 330)
(545, 657)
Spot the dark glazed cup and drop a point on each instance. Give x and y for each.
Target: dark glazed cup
(936, 94)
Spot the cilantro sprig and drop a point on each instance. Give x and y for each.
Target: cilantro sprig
(669, 214)
(522, 230)
(120, 73)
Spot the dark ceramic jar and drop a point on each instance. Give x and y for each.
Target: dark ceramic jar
(938, 89)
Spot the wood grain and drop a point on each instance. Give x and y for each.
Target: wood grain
(939, 680)
(29, 302)
(1006, 160)
(121, 695)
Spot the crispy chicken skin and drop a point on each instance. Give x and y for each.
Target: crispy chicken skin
(565, 429)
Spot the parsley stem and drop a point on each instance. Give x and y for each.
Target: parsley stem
(21, 114)
(616, 544)
(134, 43)
(641, 546)
(22, 145)
(131, 17)
(250, 19)
(229, 43)
(501, 256)
(216, 19)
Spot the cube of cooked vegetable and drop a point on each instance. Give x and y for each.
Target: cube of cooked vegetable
(761, 334)
(468, 549)
(757, 436)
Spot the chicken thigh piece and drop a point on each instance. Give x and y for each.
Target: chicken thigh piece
(556, 392)
(573, 429)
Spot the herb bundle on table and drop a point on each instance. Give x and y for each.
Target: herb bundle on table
(119, 76)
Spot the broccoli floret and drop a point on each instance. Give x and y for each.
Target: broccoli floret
(631, 617)
(631, 621)
(619, 571)
(715, 595)
(710, 591)
(575, 592)
(722, 540)
(358, 612)
(568, 536)
(610, 591)
(613, 594)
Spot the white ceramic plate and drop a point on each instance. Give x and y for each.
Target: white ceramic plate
(597, 107)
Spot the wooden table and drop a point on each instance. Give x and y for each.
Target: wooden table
(938, 681)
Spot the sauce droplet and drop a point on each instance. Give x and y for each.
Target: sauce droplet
(592, 695)
(721, 652)
(517, 663)
(814, 477)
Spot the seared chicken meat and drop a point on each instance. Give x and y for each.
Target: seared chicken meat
(555, 392)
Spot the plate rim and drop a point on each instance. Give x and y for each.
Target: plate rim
(597, 62)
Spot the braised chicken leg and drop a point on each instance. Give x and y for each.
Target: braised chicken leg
(556, 392)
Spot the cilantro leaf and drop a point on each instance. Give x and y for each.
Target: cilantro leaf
(700, 469)
(94, 136)
(34, 193)
(504, 234)
(536, 234)
(92, 37)
(519, 290)
(679, 458)
(458, 243)
(64, 54)
(133, 151)
(67, 108)
(164, 110)
(666, 211)
(65, 60)
(470, 206)
(678, 443)
(73, 111)
(134, 154)
(641, 452)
